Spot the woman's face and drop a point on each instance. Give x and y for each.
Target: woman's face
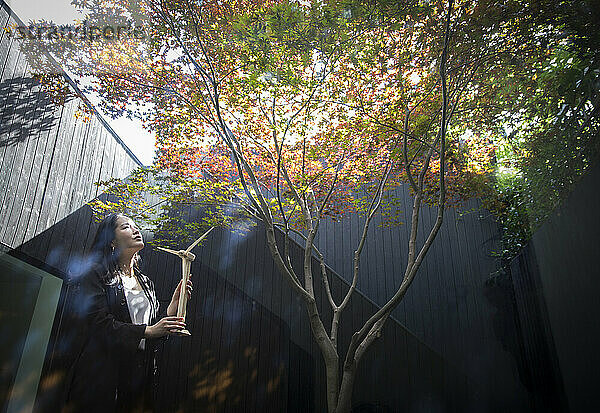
(127, 235)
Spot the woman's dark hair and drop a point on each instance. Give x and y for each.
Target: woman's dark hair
(103, 252)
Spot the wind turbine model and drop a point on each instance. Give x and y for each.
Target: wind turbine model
(186, 265)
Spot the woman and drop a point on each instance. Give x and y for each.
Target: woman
(117, 303)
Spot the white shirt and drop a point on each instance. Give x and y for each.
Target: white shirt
(138, 304)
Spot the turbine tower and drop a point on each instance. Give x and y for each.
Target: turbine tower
(186, 265)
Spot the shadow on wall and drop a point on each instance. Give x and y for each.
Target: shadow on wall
(499, 292)
(25, 110)
(226, 385)
(236, 360)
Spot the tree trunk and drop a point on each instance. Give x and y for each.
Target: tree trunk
(344, 404)
(332, 367)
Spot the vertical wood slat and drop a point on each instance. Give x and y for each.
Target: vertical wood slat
(29, 219)
(11, 148)
(76, 198)
(221, 314)
(228, 344)
(21, 203)
(89, 166)
(37, 221)
(97, 159)
(49, 177)
(107, 171)
(5, 75)
(4, 19)
(118, 168)
(427, 326)
(85, 184)
(58, 174)
(74, 139)
(108, 157)
(103, 156)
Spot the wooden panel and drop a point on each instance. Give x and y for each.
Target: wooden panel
(5, 41)
(12, 82)
(108, 156)
(96, 159)
(74, 136)
(539, 368)
(8, 60)
(38, 219)
(3, 17)
(118, 167)
(81, 159)
(85, 187)
(41, 161)
(556, 288)
(51, 205)
(27, 105)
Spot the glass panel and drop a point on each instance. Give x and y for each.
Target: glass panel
(28, 302)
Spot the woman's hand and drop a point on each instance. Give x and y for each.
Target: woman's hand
(164, 326)
(172, 308)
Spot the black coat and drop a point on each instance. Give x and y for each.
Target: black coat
(109, 364)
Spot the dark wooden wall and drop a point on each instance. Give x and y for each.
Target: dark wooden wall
(451, 305)
(251, 345)
(49, 160)
(399, 370)
(556, 282)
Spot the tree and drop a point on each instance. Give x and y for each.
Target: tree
(292, 112)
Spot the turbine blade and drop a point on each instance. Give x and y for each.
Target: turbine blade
(168, 250)
(199, 239)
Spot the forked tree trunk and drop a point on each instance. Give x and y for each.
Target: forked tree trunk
(344, 403)
(355, 352)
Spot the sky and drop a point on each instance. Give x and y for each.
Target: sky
(141, 143)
